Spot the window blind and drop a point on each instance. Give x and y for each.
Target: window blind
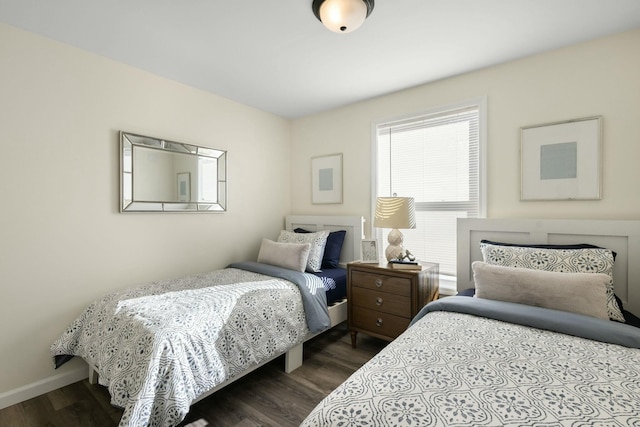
(435, 159)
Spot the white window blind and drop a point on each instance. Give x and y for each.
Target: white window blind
(434, 158)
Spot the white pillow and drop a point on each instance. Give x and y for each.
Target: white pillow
(583, 293)
(565, 260)
(317, 240)
(293, 256)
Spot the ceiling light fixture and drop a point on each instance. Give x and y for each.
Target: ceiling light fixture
(342, 16)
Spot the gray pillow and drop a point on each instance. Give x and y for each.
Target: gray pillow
(293, 256)
(317, 240)
(565, 260)
(583, 293)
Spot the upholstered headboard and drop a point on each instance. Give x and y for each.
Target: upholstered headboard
(354, 225)
(622, 237)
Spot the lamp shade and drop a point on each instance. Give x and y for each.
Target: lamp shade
(395, 212)
(342, 16)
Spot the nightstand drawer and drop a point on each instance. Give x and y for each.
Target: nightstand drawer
(380, 282)
(384, 324)
(381, 301)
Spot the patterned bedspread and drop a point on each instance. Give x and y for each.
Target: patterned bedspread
(457, 369)
(160, 346)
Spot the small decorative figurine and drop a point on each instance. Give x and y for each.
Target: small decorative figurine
(405, 255)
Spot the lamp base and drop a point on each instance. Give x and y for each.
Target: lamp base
(395, 248)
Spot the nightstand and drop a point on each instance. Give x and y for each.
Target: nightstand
(381, 301)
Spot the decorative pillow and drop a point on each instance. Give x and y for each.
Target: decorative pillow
(317, 240)
(293, 256)
(583, 293)
(332, 249)
(549, 246)
(559, 259)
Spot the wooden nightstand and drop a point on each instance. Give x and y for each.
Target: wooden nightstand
(381, 301)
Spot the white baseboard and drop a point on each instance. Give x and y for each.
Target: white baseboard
(43, 386)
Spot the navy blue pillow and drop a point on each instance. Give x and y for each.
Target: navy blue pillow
(331, 257)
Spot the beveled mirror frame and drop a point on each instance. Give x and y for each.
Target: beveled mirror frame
(133, 148)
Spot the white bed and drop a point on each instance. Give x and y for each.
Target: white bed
(621, 236)
(478, 361)
(166, 345)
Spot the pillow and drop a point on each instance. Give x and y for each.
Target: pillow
(549, 246)
(317, 240)
(332, 249)
(558, 258)
(582, 293)
(293, 256)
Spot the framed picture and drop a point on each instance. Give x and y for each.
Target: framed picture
(369, 251)
(326, 179)
(184, 187)
(562, 160)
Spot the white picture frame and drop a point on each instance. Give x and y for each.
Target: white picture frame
(326, 179)
(562, 160)
(369, 251)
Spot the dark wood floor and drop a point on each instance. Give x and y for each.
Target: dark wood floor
(265, 397)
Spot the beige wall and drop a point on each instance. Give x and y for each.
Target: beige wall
(601, 77)
(63, 242)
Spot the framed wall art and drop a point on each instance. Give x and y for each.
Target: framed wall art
(562, 160)
(326, 179)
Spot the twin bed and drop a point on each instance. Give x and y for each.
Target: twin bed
(492, 359)
(163, 346)
(496, 360)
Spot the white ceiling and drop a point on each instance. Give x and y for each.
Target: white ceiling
(274, 55)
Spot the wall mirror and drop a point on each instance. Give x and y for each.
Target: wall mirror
(157, 175)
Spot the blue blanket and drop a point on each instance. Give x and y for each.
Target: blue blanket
(314, 298)
(542, 318)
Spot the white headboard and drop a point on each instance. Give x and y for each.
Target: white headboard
(354, 225)
(622, 237)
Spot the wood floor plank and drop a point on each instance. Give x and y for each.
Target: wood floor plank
(13, 415)
(39, 412)
(103, 398)
(66, 396)
(265, 397)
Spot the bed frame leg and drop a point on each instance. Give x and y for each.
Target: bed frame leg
(293, 359)
(93, 375)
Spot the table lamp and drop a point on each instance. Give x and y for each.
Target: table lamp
(395, 212)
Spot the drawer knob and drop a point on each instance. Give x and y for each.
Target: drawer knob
(379, 283)
(379, 321)
(379, 301)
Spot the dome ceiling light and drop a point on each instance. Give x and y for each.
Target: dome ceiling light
(342, 16)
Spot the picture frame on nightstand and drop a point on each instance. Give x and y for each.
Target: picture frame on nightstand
(369, 251)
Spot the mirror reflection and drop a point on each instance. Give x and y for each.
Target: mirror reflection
(166, 176)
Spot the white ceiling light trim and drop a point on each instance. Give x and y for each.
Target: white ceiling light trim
(342, 16)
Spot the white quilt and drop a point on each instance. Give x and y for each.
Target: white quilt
(160, 346)
(453, 369)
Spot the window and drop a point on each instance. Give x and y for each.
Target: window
(436, 158)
